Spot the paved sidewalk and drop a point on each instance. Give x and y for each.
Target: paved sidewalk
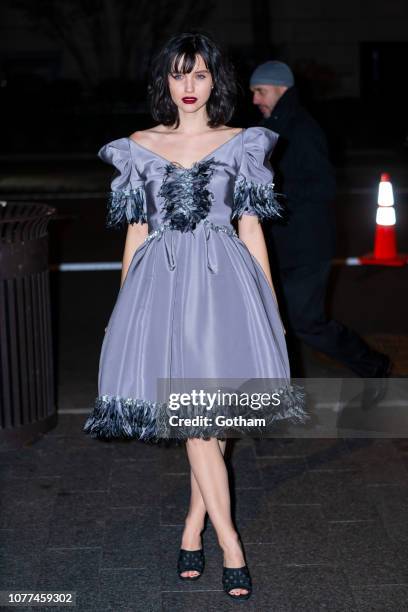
(323, 523)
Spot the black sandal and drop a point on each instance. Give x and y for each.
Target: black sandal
(237, 578)
(190, 560)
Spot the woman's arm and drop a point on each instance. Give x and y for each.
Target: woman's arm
(136, 233)
(251, 233)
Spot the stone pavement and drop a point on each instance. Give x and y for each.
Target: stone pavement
(323, 521)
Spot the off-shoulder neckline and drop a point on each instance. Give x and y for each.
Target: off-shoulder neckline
(176, 164)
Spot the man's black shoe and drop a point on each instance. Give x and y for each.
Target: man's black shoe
(384, 368)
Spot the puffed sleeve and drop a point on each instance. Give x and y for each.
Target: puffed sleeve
(253, 189)
(127, 198)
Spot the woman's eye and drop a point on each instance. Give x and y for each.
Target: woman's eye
(179, 76)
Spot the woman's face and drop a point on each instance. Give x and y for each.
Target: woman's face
(191, 91)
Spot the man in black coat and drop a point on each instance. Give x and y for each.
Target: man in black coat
(301, 249)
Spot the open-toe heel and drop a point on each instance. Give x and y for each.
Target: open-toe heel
(190, 561)
(237, 578)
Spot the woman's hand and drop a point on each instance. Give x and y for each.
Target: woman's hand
(283, 327)
(251, 233)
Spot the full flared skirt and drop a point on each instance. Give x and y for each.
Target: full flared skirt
(194, 305)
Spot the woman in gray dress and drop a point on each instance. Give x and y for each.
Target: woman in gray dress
(196, 298)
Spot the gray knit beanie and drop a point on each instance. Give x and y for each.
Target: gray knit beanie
(272, 73)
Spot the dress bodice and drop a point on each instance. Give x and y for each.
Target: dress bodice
(234, 179)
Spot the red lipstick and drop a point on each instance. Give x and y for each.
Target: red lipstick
(189, 100)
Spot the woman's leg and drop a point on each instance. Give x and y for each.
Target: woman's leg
(208, 465)
(194, 522)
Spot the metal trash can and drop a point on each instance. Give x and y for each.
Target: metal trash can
(27, 402)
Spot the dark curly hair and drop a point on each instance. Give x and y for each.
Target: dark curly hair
(184, 48)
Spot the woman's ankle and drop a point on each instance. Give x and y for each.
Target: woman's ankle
(228, 541)
(194, 525)
(191, 538)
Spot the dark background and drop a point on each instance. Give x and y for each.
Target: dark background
(73, 72)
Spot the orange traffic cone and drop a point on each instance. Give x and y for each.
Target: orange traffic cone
(385, 244)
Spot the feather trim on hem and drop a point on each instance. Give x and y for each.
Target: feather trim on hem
(120, 418)
(259, 198)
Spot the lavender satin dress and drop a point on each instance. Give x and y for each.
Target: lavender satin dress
(195, 303)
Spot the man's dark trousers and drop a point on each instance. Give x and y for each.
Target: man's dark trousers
(302, 295)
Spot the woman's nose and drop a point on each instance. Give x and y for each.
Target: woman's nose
(189, 85)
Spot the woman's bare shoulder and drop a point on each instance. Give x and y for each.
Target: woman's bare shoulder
(228, 129)
(149, 136)
(234, 130)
